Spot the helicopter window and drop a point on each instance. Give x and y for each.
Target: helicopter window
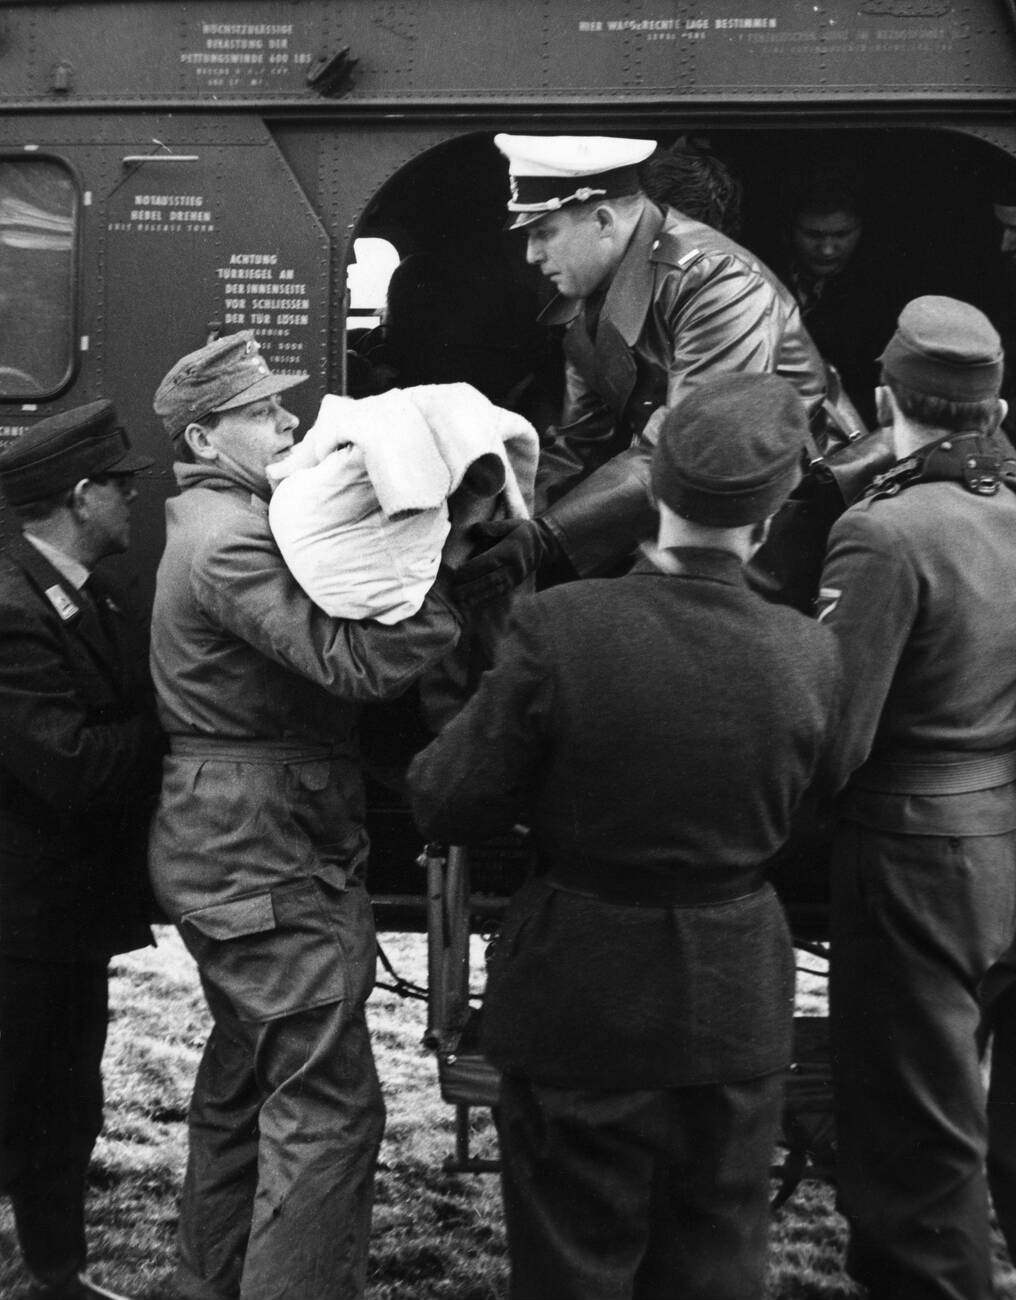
(368, 276)
(38, 219)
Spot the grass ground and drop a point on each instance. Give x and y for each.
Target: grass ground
(437, 1236)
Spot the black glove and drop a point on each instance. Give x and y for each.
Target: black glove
(509, 551)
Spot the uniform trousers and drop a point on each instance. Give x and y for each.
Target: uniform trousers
(1002, 1116)
(917, 920)
(284, 1126)
(52, 1033)
(642, 1195)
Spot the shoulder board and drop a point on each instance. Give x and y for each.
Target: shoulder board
(675, 251)
(896, 479)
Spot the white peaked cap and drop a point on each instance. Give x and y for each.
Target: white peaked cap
(570, 155)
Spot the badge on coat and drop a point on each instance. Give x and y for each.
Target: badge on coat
(61, 602)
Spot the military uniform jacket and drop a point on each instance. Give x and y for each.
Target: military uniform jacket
(80, 754)
(651, 728)
(918, 587)
(685, 304)
(258, 692)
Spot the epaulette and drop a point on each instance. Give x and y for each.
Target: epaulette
(966, 458)
(894, 480)
(672, 249)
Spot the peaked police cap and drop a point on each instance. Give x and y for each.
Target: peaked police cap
(84, 442)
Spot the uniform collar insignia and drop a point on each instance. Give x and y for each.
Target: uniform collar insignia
(61, 602)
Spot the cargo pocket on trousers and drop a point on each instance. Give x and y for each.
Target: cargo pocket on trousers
(271, 954)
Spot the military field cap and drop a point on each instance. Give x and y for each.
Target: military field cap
(84, 442)
(945, 348)
(730, 452)
(221, 376)
(546, 172)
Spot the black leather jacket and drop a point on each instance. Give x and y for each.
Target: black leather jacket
(684, 304)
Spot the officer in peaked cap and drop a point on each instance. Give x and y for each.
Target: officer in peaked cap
(80, 758)
(258, 850)
(653, 303)
(639, 999)
(224, 375)
(918, 588)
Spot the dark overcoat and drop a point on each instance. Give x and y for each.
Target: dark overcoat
(80, 756)
(656, 732)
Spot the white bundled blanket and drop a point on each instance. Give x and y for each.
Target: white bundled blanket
(364, 508)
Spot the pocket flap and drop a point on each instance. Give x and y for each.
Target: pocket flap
(314, 775)
(332, 874)
(250, 915)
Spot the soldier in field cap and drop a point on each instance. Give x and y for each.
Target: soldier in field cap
(225, 375)
(918, 588)
(653, 304)
(80, 756)
(259, 851)
(655, 732)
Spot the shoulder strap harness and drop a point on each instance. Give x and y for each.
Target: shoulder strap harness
(973, 459)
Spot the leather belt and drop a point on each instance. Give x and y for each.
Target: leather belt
(251, 751)
(683, 886)
(963, 775)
